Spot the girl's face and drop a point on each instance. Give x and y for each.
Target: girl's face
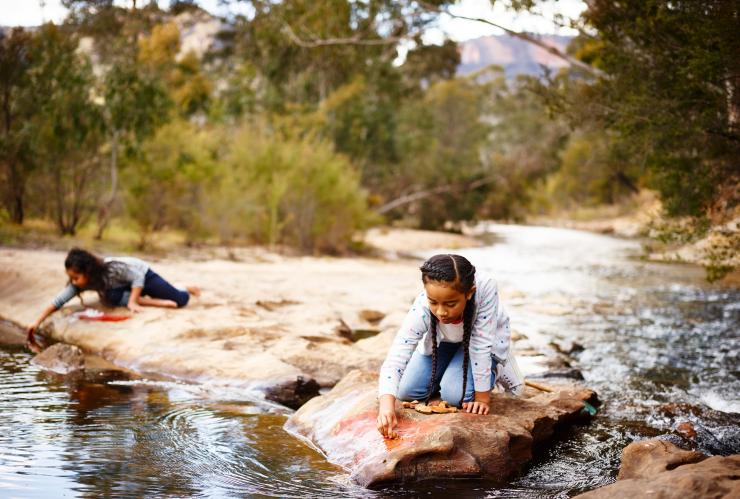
(77, 278)
(446, 302)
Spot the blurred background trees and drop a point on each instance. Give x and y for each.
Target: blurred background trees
(305, 121)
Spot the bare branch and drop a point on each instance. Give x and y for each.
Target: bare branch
(323, 42)
(416, 196)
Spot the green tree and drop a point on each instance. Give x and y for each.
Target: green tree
(168, 181)
(441, 136)
(134, 104)
(18, 106)
(670, 92)
(69, 126)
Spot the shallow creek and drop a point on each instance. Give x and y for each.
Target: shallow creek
(660, 346)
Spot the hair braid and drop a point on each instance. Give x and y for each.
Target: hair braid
(433, 330)
(468, 316)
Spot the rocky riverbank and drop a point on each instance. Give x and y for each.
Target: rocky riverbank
(276, 324)
(665, 471)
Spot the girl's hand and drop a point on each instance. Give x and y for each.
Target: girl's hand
(475, 407)
(134, 307)
(480, 404)
(31, 340)
(387, 416)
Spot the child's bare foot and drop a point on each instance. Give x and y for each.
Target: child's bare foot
(194, 290)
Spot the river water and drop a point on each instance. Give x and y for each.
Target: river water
(660, 346)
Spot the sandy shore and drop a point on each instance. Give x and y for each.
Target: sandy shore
(263, 318)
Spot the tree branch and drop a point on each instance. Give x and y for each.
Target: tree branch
(416, 196)
(323, 42)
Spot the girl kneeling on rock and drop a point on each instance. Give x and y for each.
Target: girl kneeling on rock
(456, 332)
(119, 281)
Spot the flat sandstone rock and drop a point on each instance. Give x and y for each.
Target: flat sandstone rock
(342, 424)
(663, 471)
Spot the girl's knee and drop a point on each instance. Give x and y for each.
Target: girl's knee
(451, 391)
(412, 392)
(182, 299)
(451, 395)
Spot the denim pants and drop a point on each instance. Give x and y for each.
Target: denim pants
(414, 383)
(154, 287)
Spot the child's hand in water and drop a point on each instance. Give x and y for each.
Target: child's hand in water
(31, 340)
(387, 416)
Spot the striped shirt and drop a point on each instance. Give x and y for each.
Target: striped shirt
(490, 336)
(131, 272)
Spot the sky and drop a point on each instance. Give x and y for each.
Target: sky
(35, 12)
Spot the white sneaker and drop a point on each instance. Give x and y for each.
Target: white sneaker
(509, 377)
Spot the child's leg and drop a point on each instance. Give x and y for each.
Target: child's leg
(414, 383)
(156, 302)
(117, 297)
(451, 383)
(156, 287)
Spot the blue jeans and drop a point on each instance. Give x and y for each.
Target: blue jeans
(154, 287)
(414, 383)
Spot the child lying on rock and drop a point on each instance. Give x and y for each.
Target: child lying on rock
(119, 281)
(455, 332)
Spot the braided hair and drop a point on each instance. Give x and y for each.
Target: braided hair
(460, 272)
(97, 271)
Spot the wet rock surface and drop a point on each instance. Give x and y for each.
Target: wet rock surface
(664, 470)
(10, 334)
(342, 424)
(294, 393)
(60, 358)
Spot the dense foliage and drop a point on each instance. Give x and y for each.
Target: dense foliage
(307, 120)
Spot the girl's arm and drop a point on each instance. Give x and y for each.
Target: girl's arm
(412, 330)
(482, 344)
(50, 309)
(59, 300)
(31, 329)
(133, 301)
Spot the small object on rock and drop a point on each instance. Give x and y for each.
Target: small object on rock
(686, 430)
(371, 316)
(423, 408)
(60, 358)
(409, 405)
(92, 314)
(538, 386)
(588, 409)
(440, 409)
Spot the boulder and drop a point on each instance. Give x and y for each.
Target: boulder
(664, 471)
(342, 424)
(60, 358)
(648, 458)
(10, 334)
(293, 393)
